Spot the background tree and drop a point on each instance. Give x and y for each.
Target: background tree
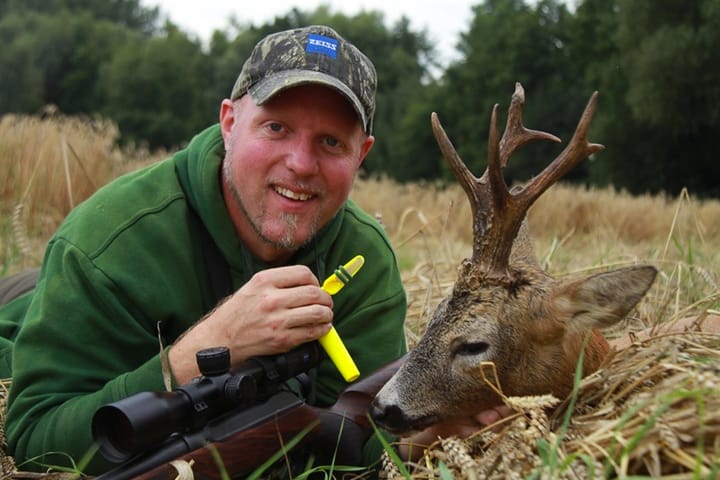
(401, 59)
(660, 93)
(655, 64)
(673, 78)
(22, 80)
(154, 89)
(594, 48)
(508, 41)
(53, 50)
(126, 13)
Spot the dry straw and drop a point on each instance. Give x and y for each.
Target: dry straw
(653, 410)
(51, 164)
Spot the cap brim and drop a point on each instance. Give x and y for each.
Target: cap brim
(271, 85)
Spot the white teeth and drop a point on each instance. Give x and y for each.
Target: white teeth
(292, 195)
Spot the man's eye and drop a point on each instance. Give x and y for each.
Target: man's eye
(275, 127)
(332, 141)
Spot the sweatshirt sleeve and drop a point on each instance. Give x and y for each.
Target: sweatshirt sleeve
(78, 333)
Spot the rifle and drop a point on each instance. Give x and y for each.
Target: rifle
(242, 417)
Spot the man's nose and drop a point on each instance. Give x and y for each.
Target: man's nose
(301, 158)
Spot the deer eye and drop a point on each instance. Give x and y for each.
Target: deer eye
(472, 348)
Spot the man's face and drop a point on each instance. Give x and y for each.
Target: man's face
(289, 166)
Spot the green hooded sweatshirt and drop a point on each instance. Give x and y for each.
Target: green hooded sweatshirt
(126, 273)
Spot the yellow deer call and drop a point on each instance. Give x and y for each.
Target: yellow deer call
(331, 341)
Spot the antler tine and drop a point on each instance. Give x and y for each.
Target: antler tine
(493, 172)
(468, 181)
(578, 149)
(499, 152)
(508, 213)
(516, 135)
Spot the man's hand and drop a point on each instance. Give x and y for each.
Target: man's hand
(411, 448)
(277, 310)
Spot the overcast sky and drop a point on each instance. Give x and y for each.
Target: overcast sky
(444, 20)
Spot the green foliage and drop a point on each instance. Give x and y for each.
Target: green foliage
(128, 13)
(670, 86)
(445, 473)
(659, 72)
(153, 90)
(417, 155)
(21, 84)
(54, 58)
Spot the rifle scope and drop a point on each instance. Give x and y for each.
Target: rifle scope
(136, 423)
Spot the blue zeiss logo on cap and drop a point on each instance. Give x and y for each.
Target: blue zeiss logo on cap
(323, 45)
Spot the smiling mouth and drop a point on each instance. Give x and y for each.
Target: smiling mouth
(287, 193)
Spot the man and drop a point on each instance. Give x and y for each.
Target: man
(223, 244)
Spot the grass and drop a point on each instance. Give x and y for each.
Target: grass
(54, 163)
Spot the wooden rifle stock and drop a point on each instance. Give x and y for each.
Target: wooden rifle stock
(246, 450)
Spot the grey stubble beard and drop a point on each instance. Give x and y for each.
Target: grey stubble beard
(286, 241)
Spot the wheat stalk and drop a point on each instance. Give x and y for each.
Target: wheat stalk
(22, 239)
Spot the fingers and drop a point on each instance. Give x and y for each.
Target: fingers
(300, 302)
(290, 296)
(275, 311)
(493, 415)
(457, 426)
(286, 277)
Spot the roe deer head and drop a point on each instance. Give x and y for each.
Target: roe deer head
(504, 308)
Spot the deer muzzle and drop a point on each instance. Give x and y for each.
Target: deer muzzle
(391, 417)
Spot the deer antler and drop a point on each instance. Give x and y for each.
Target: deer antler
(497, 212)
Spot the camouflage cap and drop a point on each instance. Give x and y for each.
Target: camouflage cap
(314, 54)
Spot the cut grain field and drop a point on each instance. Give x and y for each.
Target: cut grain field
(53, 163)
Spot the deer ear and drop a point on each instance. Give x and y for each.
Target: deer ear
(604, 299)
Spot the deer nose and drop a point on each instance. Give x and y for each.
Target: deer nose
(390, 417)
